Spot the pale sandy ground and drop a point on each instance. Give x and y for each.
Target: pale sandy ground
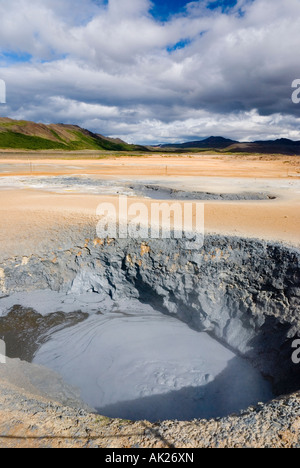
(27, 219)
(153, 165)
(24, 211)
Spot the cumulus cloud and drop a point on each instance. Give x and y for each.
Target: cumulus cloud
(114, 68)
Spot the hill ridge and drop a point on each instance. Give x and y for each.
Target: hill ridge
(279, 146)
(27, 135)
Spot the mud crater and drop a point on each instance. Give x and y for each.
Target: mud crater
(243, 293)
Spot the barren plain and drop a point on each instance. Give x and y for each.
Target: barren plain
(47, 202)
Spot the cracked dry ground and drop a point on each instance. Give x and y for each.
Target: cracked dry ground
(28, 421)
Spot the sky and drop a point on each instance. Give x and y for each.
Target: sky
(155, 71)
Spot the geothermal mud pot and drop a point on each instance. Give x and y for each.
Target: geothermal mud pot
(150, 330)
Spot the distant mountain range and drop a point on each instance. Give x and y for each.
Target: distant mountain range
(25, 135)
(281, 146)
(212, 142)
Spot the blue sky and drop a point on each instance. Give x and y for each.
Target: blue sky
(12, 57)
(163, 9)
(154, 71)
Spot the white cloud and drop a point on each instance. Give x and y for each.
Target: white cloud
(117, 67)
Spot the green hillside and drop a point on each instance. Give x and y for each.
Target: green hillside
(25, 135)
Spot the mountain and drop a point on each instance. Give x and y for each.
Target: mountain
(22, 134)
(281, 146)
(25, 135)
(211, 143)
